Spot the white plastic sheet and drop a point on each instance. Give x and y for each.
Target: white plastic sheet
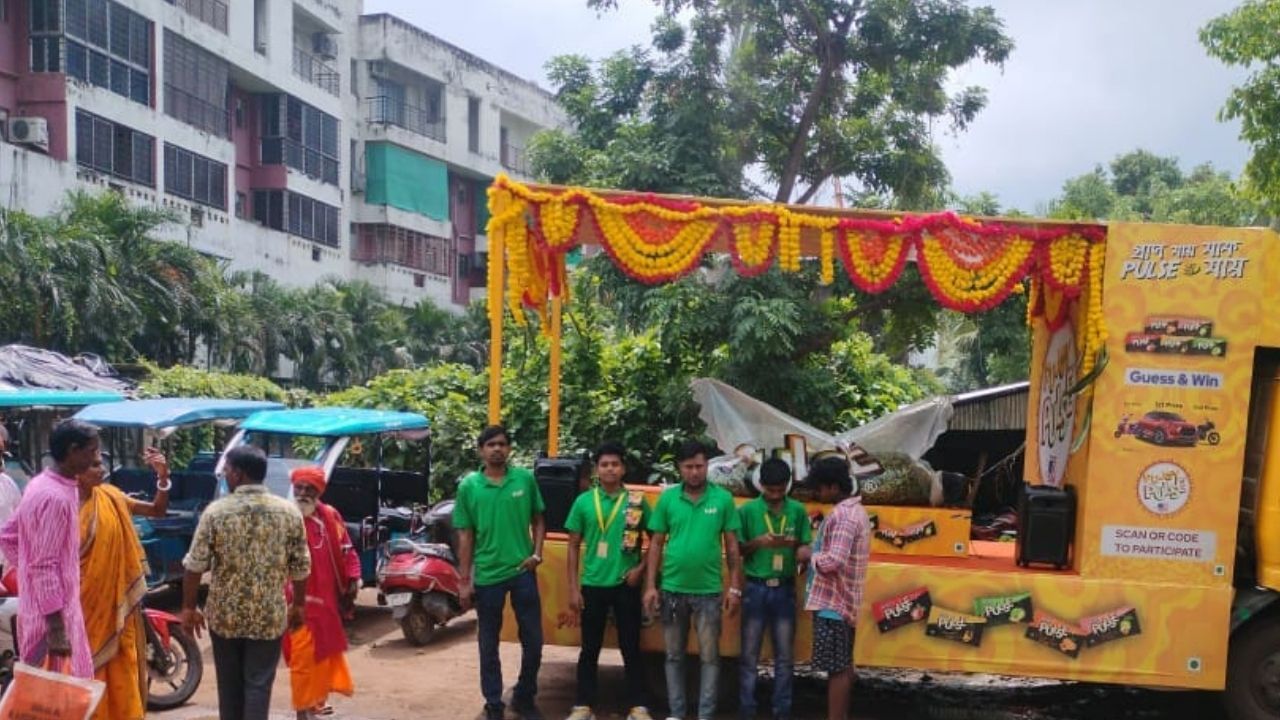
(734, 418)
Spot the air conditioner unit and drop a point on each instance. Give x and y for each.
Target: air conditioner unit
(379, 68)
(324, 46)
(33, 131)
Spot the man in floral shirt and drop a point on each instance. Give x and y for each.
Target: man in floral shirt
(252, 542)
(837, 574)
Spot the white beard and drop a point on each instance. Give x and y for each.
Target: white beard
(308, 507)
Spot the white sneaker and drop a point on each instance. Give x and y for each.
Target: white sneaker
(639, 713)
(581, 712)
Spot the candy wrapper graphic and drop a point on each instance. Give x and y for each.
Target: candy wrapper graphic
(1178, 325)
(955, 626)
(1114, 625)
(1211, 346)
(1005, 610)
(901, 537)
(1174, 345)
(1141, 343)
(1051, 632)
(907, 608)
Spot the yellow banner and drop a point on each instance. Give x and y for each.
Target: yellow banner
(1043, 624)
(923, 614)
(1184, 306)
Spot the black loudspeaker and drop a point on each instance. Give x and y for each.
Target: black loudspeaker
(559, 480)
(1046, 525)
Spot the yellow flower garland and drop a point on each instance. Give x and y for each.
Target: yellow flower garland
(683, 231)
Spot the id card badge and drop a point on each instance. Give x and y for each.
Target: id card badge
(602, 549)
(777, 563)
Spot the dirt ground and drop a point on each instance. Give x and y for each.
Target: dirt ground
(395, 681)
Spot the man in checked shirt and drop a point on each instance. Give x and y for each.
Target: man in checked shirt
(837, 574)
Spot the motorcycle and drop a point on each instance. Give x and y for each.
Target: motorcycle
(418, 576)
(1125, 427)
(1208, 432)
(174, 663)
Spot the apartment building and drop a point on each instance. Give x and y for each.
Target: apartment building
(294, 137)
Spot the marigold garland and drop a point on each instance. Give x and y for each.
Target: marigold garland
(968, 265)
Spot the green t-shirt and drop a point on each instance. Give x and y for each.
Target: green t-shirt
(756, 520)
(693, 558)
(499, 515)
(604, 565)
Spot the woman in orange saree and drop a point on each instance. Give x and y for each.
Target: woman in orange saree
(113, 580)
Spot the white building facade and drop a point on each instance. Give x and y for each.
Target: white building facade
(297, 138)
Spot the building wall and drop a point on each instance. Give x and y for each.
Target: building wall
(267, 44)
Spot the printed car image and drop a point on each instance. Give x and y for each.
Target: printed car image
(1165, 428)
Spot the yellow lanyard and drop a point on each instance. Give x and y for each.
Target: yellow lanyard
(782, 527)
(604, 524)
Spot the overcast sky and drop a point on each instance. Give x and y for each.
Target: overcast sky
(1089, 79)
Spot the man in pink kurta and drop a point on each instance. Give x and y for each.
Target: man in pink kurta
(44, 536)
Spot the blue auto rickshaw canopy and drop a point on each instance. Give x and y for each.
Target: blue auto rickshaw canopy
(172, 412)
(47, 398)
(334, 422)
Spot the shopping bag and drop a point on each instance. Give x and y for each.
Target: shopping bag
(36, 694)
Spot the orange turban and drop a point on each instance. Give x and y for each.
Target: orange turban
(312, 475)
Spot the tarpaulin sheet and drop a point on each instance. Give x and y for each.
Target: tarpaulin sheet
(406, 180)
(734, 418)
(22, 366)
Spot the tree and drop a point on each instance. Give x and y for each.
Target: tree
(1249, 37)
(1143, 186)
(815, 89)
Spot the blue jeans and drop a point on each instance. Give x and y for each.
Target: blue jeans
(773, 608)
(704, 610)
(527, 606)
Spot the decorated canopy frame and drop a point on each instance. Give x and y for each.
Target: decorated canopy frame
(969, 264)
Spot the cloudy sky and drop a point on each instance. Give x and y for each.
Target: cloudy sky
(1089, 79)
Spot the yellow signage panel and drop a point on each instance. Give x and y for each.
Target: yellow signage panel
(1184, 308)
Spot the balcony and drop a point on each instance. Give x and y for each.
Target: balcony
(515, 159)
(315, 71)
(389, 111)
(209, 12)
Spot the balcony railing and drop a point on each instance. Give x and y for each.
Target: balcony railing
(388, 110)
(515, 159)
(210, 12)
(316, 71)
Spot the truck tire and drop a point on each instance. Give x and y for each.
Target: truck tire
(1253, 672)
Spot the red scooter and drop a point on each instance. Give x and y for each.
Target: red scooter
(174, 663)
(418, 576)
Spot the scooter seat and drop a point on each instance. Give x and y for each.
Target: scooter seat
(400, 546)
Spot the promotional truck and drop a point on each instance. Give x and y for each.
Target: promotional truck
(1154, 392)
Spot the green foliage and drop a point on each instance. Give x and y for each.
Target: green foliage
(1144, 186)
(95, 278)
(183, 381)
(1249, 37)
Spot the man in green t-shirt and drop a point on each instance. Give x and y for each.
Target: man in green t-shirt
(609, 521)
(498, 515)
(691, 524)
(775, 537)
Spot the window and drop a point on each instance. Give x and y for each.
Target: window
(195, 177)
(401, 246)
(99, 42)
(473, 124)
(210, 12)
(115, 149)
(297, 215)
(196, 85)
(299, 136)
